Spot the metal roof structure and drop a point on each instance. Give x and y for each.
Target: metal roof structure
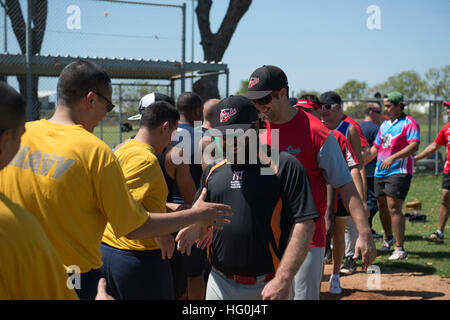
(51, 66)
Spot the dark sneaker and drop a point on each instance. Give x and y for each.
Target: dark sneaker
(376, 235)
(349, 266)
(434, 237)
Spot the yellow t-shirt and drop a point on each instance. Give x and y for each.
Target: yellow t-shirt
(146, 182)
(72, 183)
(30, 267)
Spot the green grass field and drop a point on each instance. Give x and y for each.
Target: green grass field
(423, 256)
(111, 136)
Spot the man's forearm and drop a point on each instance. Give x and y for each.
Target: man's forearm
(296, 251)
(431, 148)
(159, 224)
(405, 152)
(354, 205)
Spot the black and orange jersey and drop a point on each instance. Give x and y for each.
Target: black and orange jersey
(265, 207)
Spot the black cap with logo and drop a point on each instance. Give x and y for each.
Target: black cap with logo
(234, 112)
(265, 80)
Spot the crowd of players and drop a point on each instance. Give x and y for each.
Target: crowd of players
(247, 205)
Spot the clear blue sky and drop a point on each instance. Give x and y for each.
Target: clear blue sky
(319, 44)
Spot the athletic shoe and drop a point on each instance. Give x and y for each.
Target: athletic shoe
(387, 243)
(376, 235)
(434, 237)
(335, 285)
(349, 266)
(398, 254)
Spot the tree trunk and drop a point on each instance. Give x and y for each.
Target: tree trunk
(39, 21)
(215, 44)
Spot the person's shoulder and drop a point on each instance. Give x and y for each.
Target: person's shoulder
(18, 221)
(287, 160)
(137, 151)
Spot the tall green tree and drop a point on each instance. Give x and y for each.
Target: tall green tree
(243, 89)
(353, 89)
(438, 82)
(409, 83)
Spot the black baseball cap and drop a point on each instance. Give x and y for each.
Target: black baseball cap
(147, 100)
(264, 80)
(330, 97)
(234, 112)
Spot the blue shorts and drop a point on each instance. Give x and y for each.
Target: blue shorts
(137, 275)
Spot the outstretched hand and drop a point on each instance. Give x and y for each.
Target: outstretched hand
(212, 214)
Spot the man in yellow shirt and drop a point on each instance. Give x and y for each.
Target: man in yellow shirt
(30, 267)
(138, 269)
(73, 184)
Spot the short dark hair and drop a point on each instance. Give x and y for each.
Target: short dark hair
(189, 102)
(80, 77)
(310, 97)
(371, 106)
(12, 108)
(157, 113)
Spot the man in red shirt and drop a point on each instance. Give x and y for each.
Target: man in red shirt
(442, 139)
(305, 137)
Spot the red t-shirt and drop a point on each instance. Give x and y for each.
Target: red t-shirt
(364, 142)
(443, 140)
(303, 137)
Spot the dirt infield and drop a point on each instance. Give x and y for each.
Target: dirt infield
(394, 285)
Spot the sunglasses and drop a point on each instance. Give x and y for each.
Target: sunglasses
(265, 100)
(329, 106)
(110, 105)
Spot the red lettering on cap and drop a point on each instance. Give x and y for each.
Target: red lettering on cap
(252, 82)
(226, 114)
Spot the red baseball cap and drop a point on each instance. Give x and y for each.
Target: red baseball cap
(447, 103)
(307, 104)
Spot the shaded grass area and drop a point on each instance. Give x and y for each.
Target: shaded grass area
(111, 135)
(423, 256)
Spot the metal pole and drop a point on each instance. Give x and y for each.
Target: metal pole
(172, 89)
(183, 49)
(29, 82)
(120, 113)
(227, 89)
(430, 111)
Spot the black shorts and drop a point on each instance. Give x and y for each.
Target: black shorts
(341, 211)
(446, 181)
(396, 186)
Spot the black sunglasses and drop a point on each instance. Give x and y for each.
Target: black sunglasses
(265, 100)
(110, 105)
(329, 106)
